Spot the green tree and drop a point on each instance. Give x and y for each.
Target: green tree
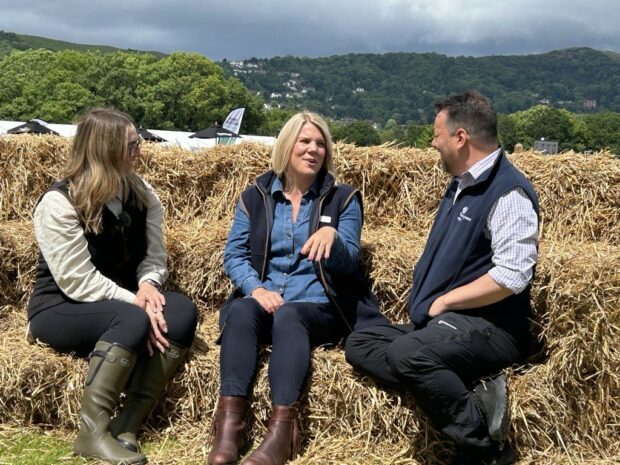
(392, 132)
(542, 121)
(419, 135)
(274, 120)
(507, 131)
(182, 91)
(360, 133)
(603, 131)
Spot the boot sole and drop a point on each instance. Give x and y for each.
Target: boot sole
(122, 462)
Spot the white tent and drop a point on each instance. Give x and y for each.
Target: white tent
(181, 139)
(6, 125)
(173, 138)
(65, 130)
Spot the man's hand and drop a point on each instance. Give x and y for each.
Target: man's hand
(437, 307)
(319, 245)
(269, 300)
(479, 293)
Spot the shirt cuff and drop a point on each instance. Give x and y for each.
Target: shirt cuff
(249, 284)
(153, 276)
(510, 279)
(124, 295)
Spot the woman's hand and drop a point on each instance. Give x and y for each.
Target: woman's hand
(269, 300)
(319, 245)
(152, 302)
(158, 329)
(148, 294)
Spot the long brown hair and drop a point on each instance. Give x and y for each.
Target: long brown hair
(97, 170)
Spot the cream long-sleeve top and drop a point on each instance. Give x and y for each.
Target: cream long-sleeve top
(64, 246)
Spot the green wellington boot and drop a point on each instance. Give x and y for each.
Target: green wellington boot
(109, 369)
(145, 386)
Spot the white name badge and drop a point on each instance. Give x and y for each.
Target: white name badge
(326, 219)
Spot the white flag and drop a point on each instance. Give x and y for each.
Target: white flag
(233, 120)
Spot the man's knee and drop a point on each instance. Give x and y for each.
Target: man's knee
(359, 347)
(407, 358)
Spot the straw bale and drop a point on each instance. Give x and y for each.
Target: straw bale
(203, 184)
(579, 194)
(388, 256)
(577, 296)
(196, 252)
(28, 164)
(565, 409)
(18, 250)
(401, 186)
(40, 386)
(338, 407)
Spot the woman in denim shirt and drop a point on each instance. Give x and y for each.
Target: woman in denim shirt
(293, 256)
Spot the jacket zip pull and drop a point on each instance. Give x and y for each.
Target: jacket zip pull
(441, 322)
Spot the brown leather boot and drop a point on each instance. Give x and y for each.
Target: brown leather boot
(227, 431)
(282, 440)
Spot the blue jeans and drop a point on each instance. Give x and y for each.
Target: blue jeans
(293, 330)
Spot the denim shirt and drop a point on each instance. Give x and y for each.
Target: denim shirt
(289, 272)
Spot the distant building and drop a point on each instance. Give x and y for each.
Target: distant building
(549, 147)
(589, 104)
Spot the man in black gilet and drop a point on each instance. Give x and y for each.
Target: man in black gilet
(470, 300)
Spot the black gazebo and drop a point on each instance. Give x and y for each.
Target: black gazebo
(33, 126)
(213, 132)
(149, 136)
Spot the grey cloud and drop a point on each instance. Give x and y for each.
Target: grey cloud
(244, 28)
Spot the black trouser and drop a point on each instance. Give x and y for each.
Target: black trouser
(438, 364)
(293, 330)
(77, 326)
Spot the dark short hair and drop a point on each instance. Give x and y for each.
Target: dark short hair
(473, 112)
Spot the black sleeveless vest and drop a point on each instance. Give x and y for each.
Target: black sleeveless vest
(116, 252)
(457, 251)
(350, 294)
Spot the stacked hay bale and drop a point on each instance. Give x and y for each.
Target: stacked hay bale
(565, 407)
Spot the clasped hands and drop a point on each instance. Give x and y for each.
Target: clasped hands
(152, 302)
(317, 247)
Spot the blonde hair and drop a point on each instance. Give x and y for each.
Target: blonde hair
(282, 149)
(97, 170)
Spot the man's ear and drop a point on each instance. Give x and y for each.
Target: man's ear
(461, 136)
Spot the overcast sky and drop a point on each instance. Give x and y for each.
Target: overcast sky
(237, 29)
